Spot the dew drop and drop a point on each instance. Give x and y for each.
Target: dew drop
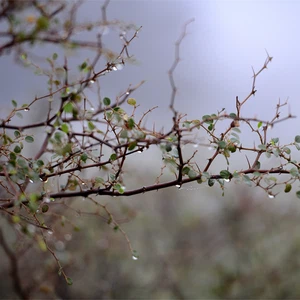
(271, 196)
(92, 108)
(119, 66)
(47, 200)
(127, 93)
(26, 109)
(68, 236)
(227, 180)
(50, 232)
(178, 186)
(30, 180)
(135, 257)
(195, 145)
(92, 81)
(60, 246)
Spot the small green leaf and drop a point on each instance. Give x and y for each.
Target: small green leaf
(69, 281)
(222, 144)
(29, 139)
(106, 101)
(211, 182)
(14, 103)
(42, 23)
(298, 194)
(64, 127)
(83, 66)
(130, 123)
(259, 124)
(113, 157)
(232, 148)
(91, 125)
(185, 170)
(54, 56)
(84, 157)
(192, 174)
(68, 107)
(131, 101)
(288, 188)
(206, 119)
(12, 156)
(17, 134)
(225, 174)
(262, 147)
(294, 172)
(232, 115)
(16, 219)
(132, 145)
(210, 127)
(45, 208)
(17, 149)
(297, 138)
(168, 147)
(268, 154)
(40, 163)
(124, 134)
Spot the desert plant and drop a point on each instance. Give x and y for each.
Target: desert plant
(80, 147)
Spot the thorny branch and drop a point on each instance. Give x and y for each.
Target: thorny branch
(91, 162)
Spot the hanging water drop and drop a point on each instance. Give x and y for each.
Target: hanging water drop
(26, 109)
(134, 257)
(271, 196)
(227, 180)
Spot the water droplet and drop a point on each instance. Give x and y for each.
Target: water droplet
(60, 246)
(271, 196)
(178, 186)
(26, 109)
(195, 145)
(92, 108)
(92, 81)
(140, 151)
(227, 180)
(47, 200)
(127, 93)
(50, 232)
(119, 66)
(68, 236)
(104, 29)
(270, 126)
(114, 68)
(30, 180)
(135, 257)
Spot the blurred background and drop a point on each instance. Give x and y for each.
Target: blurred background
(192, 243)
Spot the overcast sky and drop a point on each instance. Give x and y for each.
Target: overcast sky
(226, 39)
